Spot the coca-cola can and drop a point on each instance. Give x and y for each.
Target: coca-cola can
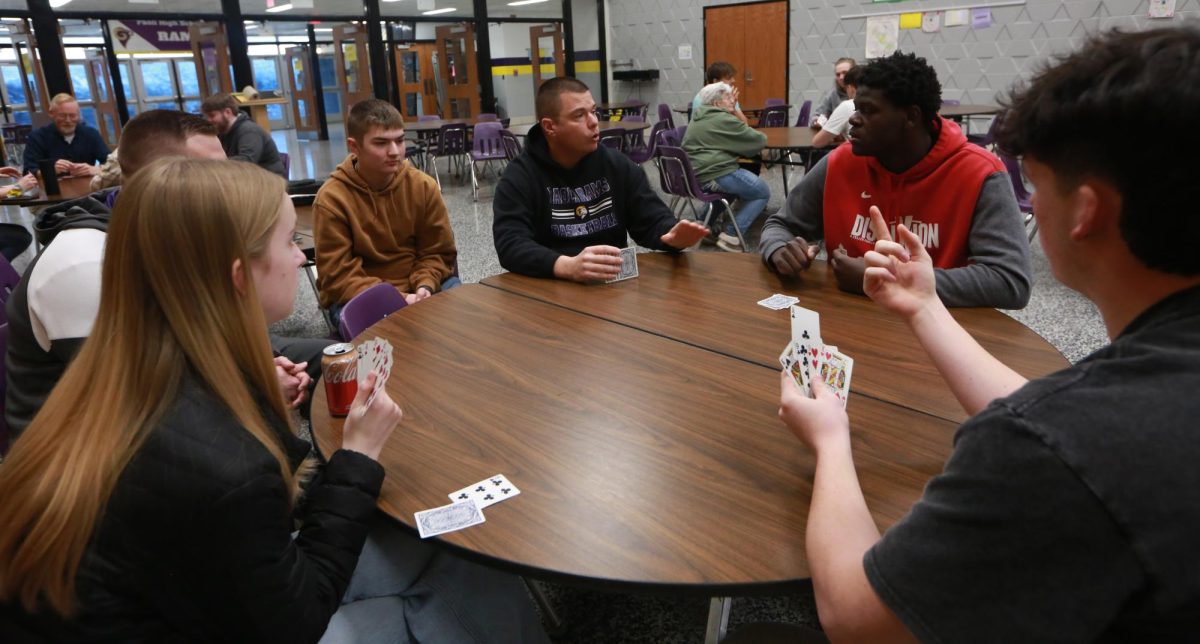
(339, 370)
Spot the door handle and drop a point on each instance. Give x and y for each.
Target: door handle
(749, 77)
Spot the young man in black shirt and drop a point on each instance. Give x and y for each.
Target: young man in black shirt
(1070, 508)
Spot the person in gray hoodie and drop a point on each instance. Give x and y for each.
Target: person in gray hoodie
(714, 141)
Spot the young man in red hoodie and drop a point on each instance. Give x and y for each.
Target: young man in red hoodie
(919, 170)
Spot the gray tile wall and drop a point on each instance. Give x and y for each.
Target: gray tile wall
(973, 65)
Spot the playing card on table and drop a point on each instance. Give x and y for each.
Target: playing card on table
(448, 518)
(489, 491)
(628, 265)
(778, 301)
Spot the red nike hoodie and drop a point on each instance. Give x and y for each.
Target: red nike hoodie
(935, 199)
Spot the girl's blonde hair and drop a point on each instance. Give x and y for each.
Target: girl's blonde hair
(169, 306)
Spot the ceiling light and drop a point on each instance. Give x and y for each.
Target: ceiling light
(390, 0)
(434, 12)
(54, 4)
(280, 7)
(524, 2)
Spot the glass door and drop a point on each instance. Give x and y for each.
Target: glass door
(303, 94)
(456, 68)
(350, 49)
(415, 78)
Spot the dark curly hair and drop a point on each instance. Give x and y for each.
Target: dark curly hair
(905, 79)
(1124, 109)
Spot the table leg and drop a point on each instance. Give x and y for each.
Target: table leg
(718, 619)
(787, 157)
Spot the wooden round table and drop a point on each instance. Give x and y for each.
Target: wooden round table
(639, 420)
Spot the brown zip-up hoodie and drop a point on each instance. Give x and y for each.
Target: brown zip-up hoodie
(400, 235)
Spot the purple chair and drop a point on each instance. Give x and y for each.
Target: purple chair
(614, 138)
(1021, 192)
(645, 153)
(986, 139)
(774, 102)
(774, 116)
(488, 146)
(512, 145)
(664, 114)
(672, 137)
(369, 307)
(951, 101)
(451, 142)
(805, 113)
(679, 179)
(486, 117)
(287, 165)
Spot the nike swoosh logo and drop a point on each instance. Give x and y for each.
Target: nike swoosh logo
(865, 195)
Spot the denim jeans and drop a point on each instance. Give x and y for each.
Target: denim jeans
(408, 590)
(751, 190)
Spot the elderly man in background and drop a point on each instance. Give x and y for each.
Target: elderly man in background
(74, 146)
(714, 141)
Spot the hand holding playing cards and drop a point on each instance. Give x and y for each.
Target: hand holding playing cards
(793, 257)
(293, 379)
(848, 270)
(592, 264)
(818, 420)
(685, 234)
(899, 276)
(371, 419)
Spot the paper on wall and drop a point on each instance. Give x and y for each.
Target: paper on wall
(883, 35)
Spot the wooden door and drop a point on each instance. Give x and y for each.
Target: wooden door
(457, 70)
(210, 49)
(754, 39)
(546, 40)
(304, 95)
(350, 51)
(108, 119)
(415, 78)
(32, 78)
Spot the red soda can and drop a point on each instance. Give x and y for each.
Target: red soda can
(339, 370)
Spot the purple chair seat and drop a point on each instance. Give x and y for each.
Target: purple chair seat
(369, 307)
(488, 146)
(679, 179)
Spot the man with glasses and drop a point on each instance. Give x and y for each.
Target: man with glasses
(74, 146)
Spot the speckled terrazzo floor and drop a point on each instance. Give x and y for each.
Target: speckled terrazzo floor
(1063, 317)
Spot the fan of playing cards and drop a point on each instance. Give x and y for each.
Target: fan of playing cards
(375, 355)
(807, 354)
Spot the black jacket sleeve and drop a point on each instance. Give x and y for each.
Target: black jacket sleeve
(514, 211)
(289, 588)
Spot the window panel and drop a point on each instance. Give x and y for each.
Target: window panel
(79, 79)
(189, 84)
(12, 83)
(156, 78)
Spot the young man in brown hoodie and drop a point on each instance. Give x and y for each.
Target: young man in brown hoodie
(378, 219)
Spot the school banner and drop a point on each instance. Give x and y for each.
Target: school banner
(149, 36)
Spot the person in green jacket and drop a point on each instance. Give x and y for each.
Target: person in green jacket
(714, 140)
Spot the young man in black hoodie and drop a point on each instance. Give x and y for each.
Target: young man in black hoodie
(564, 207)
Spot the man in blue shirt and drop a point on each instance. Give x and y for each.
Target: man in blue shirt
(74, 147)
